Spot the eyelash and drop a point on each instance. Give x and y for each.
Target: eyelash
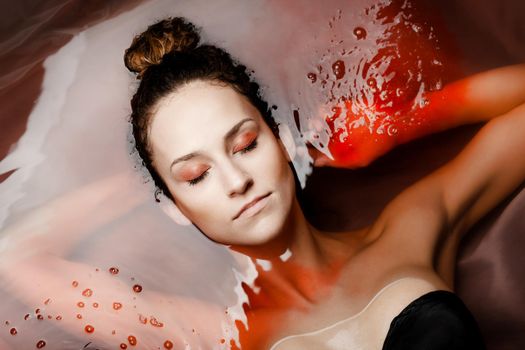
(246, 149)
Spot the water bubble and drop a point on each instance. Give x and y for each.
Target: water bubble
(113, 270)
(391, 130)
(137, 288)
(312, 77)
(339, 69)
(360, 33)
(168, 345)
(132, 340)
(371, 82)
(58, 318)
(87, 292)
(79, 316)
(80, 304)
(416, 28)
(47, 301)
(27, 316)
(74, 284)
(40, 317)
(153, 321)
(143, 319)
(95, 305)
(117, 306)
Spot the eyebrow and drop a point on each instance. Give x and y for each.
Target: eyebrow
(228, 135)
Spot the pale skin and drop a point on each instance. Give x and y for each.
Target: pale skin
(404, 240)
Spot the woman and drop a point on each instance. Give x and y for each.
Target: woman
(211, 146)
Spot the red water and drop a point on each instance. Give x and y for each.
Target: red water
(391, 98)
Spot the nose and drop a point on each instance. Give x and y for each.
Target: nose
(237, 181)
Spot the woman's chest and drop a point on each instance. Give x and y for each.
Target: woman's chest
(353, 321)
(359, 311)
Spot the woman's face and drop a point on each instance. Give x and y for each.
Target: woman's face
(222, 164)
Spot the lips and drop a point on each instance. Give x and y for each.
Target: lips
(252, 207)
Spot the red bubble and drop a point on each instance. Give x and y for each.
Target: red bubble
(339, 69)
(123, 346)
(143, 319)
(79, 316)
(80, 304)
(137, 288)
(87, 292)
(89, 328)
(312, 77)
(168, 344)
(74, 284)
(360, 33)
(132, 340)
(117, 306)
(155, 323)
(13, 331)
(95, 305)
(113, 270)
(26, 316)
(58, 318)
(40, 344)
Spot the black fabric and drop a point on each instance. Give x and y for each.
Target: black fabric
(437, 320)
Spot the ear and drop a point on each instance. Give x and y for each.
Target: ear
(287, 142)
(170, 209)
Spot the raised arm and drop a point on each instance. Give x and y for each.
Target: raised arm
(490, 168)
(441, 207)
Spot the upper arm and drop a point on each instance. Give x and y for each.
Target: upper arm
(434, 212)
(490, 168)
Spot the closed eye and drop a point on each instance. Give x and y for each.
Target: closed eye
(198, 179)
(248, 148)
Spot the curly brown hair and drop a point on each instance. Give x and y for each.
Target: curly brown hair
(167, 56)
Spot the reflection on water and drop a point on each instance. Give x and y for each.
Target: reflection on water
(88, 258)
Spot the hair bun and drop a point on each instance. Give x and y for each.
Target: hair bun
(161, 38)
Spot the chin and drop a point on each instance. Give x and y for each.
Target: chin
(263, 231)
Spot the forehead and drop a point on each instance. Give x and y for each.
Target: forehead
(196, 115)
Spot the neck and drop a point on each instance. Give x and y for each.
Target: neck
(300, 261)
